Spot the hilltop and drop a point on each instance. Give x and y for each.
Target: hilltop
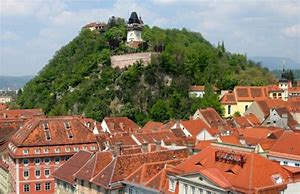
(79, 78)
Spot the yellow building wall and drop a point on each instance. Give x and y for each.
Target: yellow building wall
(239, 107)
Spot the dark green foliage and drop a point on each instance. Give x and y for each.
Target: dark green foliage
(80, 80)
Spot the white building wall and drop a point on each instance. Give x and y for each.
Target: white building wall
(134, 35)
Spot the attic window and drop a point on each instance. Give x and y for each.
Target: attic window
(46, 126)
(277, 179)
(199, 164)
(47, 131)
(68, 130)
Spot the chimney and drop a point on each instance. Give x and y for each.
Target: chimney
(177, 125)
(158, 145)
(122, 126)
(118, 148)
(190, 149)
(145, 147)
(285, 121)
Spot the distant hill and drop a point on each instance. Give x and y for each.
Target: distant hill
(273, 63)
(14, 82)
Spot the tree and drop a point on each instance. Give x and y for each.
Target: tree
(159, 111)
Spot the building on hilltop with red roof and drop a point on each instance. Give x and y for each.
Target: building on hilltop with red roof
(219, 169)
(41, 146)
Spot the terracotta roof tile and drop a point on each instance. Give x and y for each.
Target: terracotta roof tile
(68, 169)
(194, 126)
(212, 118)
(228, 98)
(255, 174)
(124, 165)
(287, 145)
(120, 125)
(151, 126)
(21, 113)
(61, 130)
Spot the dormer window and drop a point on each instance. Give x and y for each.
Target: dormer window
(57, 150)
(37, 151)
(68, 130)
(46, 150)
(26, 152)
(76, 149)
(93, 147)
(172, 184)
(67, 149)
(277, 179)
(47, 131)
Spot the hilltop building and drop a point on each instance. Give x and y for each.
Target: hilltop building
(99, 26)
(135, 27)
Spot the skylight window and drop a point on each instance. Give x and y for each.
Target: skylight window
(68, 130)
(47, 131)
(277, 179)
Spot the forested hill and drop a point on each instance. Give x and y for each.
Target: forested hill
(79, 78)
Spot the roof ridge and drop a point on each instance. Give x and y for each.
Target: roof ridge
(93, 178)
(113, 170)
(251, 172)
(84, 164)
(96, 159)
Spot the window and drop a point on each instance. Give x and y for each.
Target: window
(76, 149)
(297, 164)
(47, 160)
(46, 150)
(185, 187)
(26, 188)
(25, 162)
(285, 163)
(277, 179)
(93, 147)
(246, 107)
(171, 185)
(90, 185)
(26, 173)
(84, 148)
(47, 186)
(37, 161)
(68, 149)
(229, 109)
(47, 131)
(57, 150)
(82, 182)
(130, 191)
(37, 173)
(200, 191)
(47, 172)
(67, 158)
(38, 186)
(68, 130)
(120, 191)
(37, 151)
(26, 152)
(208, 192)
(192, 189)
(57, 159)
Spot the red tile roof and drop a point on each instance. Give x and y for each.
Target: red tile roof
(68, 169)
(120, 125)
(61, 130)
(124, 165)
(200, 88)
(154, 137)
(94, 165)
(250, 93)
(212, 118)
(254, 174)
(287, 146)
(194, 126)
(125, 139)
(228, 98)
(21, 113)
(230, 139)
(151, 126)
(266, 105)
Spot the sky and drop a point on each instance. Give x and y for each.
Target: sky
(31, 31)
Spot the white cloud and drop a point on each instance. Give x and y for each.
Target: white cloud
(9, 36)
(292, 31)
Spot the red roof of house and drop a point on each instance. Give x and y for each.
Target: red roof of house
(294, 89)
(124, 165)
(125, 139)
(94, 165)
(203, 144)
(61, 130)
(253, 119)
(120, 124)
(200, 88)
(242, 121)
(228, 98)
(287, 146)
(251, 93)
(274, 88)
(194, 126)
(154, 137)
(212, 118)
(21, 113)
(266, 105)
(230, 139)
(151, 126)
(69, 168)
(253, 174)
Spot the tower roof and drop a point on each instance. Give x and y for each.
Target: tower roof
(133, 19)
